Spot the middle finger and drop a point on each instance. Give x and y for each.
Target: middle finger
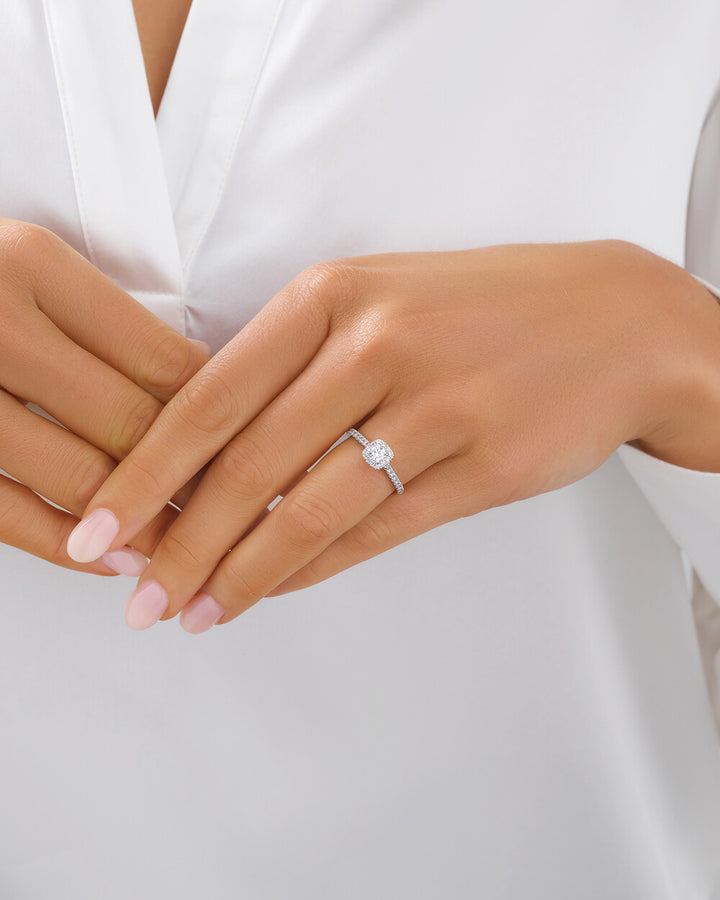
(60, 466)
(271, 452)
(340, 493)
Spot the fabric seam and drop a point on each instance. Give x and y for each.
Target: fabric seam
(69, 133)
(231, 155)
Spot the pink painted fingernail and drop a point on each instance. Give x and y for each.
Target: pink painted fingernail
(206, 348)
(145, 605)
(92, 537)
(125, 561)
(201, 613)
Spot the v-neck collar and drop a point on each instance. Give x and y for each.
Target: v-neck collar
(205, 104)
(149, 188)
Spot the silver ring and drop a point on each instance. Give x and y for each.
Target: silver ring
(378, 455)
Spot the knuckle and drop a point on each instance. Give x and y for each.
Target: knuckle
(23, 245)
(244, 471)
(243, 592)
(208, 403)
(86, 476)
(333, 283)
(323, 277)
(143, 479)
(374, 341)
(371, 534)
(171, 364)
(178, 553)
(135, 425)
(309, 520)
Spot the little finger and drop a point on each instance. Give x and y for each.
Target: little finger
(30, 524)
(57, 464)
(337, 494)
(439, 495)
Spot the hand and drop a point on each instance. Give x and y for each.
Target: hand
(494, 375)
(76, 345)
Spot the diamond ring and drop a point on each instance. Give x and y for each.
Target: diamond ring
(378, 455)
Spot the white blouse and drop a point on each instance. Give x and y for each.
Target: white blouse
(519, 704)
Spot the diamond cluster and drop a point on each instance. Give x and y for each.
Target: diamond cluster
(378, 454)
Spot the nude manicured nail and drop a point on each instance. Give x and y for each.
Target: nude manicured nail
(145, 605)
(125, 561)
(92, 537)
(201, 613)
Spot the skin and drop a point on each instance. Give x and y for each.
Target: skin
(70, 340)
(160, 24)
(61, 348)
(494, 374)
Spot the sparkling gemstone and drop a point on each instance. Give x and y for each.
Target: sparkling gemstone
(378, 454)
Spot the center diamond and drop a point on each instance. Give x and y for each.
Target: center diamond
(378, 454)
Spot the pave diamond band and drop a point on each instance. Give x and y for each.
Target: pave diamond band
(378, 455)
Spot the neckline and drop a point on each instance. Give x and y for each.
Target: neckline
(113, 146)
(158, 47)
(148, 188)
(209, 92)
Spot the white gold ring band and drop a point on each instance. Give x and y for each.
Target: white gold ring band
(378, 455)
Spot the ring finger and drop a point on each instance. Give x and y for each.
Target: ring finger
(52, 462)
(339, 492)
(248, 474)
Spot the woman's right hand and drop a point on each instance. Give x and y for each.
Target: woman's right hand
(76, 345)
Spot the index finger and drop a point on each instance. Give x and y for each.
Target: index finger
(93, 311)
(217, 403)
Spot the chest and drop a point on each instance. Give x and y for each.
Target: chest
(159, 24)
(293, 131)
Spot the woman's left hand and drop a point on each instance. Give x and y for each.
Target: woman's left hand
(493, 374)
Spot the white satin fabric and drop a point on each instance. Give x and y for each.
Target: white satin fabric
(515, 705)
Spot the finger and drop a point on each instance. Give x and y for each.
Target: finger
(232, 389)
(179, 499)
(340, 492)
(245, 477)
(59, 465)
(87, 396)
(438, 496)
(83, 393)
(49, 459)
(30, 524)
(95, 313)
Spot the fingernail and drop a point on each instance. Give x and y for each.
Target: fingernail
(145, 605)
(92, 537)
(201, 613)
(206, 348)
(125, 561)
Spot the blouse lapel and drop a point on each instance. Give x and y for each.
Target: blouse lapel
(205, 104)
(117, 165)
(147, 190)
